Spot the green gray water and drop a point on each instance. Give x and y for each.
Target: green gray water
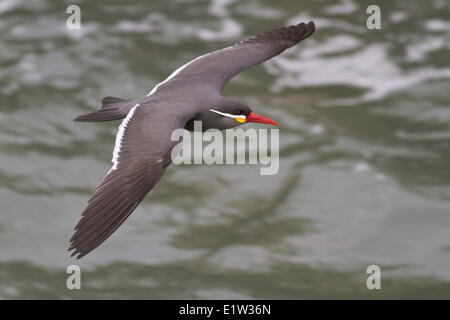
(365, 153)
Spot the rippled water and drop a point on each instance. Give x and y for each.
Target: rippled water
(365, 153)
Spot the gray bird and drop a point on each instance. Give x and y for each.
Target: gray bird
(143, 145)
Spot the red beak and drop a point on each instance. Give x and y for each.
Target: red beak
(253, 117)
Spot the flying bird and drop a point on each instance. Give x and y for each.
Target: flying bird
(143, 144)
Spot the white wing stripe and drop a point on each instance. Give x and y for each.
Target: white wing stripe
(182, 67)
(174, 74)
(119, 137)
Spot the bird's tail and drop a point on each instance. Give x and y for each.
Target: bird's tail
(112, 109)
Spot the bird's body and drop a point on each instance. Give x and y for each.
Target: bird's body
(143, 146)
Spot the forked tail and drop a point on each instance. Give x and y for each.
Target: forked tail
(112, 109)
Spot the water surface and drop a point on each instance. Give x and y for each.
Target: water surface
(364, 162)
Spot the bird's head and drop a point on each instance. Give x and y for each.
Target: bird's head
(232, 113)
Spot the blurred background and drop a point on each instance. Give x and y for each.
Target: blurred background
(365, 152)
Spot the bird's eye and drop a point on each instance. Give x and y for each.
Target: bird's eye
(240, 112)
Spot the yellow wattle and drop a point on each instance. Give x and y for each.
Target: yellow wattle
(241, 120)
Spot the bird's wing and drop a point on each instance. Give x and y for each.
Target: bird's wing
(140, 159)
(218, 67)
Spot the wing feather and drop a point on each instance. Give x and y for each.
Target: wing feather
(141, 161)
(218, 67)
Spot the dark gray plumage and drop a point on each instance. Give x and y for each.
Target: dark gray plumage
(143, 145)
